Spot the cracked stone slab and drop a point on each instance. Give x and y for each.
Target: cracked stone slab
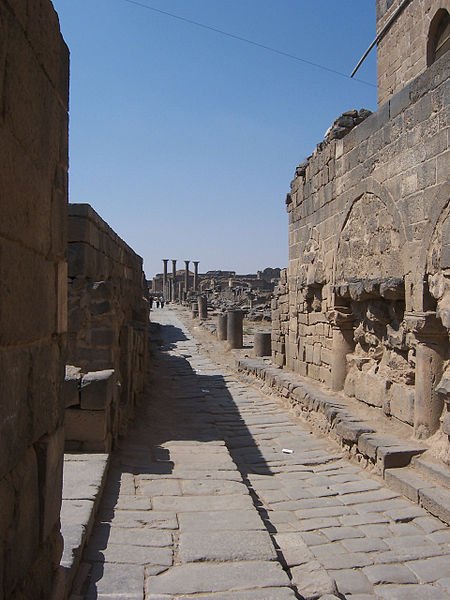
(134, 518)
(202, 503)
(209, 487)
(283, 593)
(221, 546)
(196, 578)
(234, 520)
(313, 581)
(137, 555)
(116, 581)
(142, 536)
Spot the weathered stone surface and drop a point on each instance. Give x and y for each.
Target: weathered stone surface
(313, 583)
(197, 578)
(33, 286)
(283, 593)
(97, 389)
(200, 503)
(224, 546)
(229, 520)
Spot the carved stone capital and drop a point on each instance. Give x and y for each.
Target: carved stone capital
(340, 316)
(424, 325)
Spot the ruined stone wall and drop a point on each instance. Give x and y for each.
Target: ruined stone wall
(365, 304)
(108, 320)
(33, 286)
(402, 52)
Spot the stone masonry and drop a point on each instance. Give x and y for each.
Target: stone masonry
(403, 52)
(364, 306)
(108, 320)
(34, 64)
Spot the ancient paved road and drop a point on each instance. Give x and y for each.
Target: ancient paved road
(203, 502)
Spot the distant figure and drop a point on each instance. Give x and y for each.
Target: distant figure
(151, 302)
(157, 302)
(162, 302)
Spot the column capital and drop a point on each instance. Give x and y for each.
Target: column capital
(340, 316)
(424, 324)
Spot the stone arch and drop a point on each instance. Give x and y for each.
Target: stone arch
(437, 268)
(439, 205)
(369, 244)
(438, 42)
(366, 189)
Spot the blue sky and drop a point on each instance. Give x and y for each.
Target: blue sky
(185, 141)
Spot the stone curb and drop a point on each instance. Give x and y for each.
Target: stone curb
(400, 462)
(390, 457)
(84, 482)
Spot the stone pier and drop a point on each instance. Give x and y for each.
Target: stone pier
(186, 276)
(174, 279)
(165, 287)
(196, 262)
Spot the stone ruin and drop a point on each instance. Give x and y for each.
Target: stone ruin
(223, 289)
(364, 306)
(107, 325)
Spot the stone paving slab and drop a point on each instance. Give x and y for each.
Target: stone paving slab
(202, 480)
(197, 578)
(223, 546)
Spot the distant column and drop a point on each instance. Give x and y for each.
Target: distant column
(174, 279)
(186, 276)
(196, 275)
(262, 345)
(202, 307)
(165, 261)
(222, 326)
(234, 328)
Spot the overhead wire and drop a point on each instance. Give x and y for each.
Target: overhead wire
(248, 41)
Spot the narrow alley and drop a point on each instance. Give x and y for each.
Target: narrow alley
(217, 493)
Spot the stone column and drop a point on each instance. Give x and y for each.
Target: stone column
(196, 275)
(234, 328)
(165, 291)
(431, 342)
(262, 345)
(174, 278)
(202, 307)
(222, 327)
(341, 321)
(186, 276)
(194, 308)
(180, 291)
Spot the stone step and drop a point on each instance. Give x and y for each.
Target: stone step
(432, 470)
(385, 452)
(84, 482)
(434, 497)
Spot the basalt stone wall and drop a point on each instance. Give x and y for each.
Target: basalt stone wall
(402, 52)
(33, 285)
(365, 304)
(108, 321)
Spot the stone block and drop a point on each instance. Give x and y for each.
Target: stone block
(50, 459)
(369, 388)
(15, 418)
(102, 336)
(86, 425)
(401, 402)
(350, 432)
(98, 389)
(437, 502)
(26, 525)
(397, 456)
(406, 482)
(70, 387)
(27, 295)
